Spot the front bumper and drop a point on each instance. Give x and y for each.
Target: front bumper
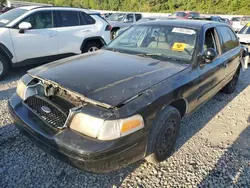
(77, 150)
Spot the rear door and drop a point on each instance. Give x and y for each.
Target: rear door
(73, 28)
(231, 48)
(211, 74)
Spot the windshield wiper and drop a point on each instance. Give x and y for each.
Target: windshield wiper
(163, 56)
(154, 54)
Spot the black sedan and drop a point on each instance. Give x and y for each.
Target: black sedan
(104, 110)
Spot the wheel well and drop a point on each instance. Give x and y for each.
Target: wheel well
(99, 41)
(180, 105)
(6, 56)
(115, 29)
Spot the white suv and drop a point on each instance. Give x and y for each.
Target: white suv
(43, 34)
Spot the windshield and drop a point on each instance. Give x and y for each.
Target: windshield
(160, 41)
(116, 17)
(179, 14)
(235, 19)
(11, 15)
(245, 29)
(194, 14)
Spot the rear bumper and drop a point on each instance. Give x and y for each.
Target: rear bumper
(77, 150)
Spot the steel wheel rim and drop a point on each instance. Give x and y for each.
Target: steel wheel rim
(93, 49)
(167, 137)
(1, 67)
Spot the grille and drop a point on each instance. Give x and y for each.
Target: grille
(47, 111)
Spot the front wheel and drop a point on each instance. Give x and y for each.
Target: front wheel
(91, 47)
(4, 66)
(163, 135)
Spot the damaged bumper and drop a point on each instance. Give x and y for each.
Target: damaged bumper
(75, 149)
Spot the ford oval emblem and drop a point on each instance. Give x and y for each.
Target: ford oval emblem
(46, 109)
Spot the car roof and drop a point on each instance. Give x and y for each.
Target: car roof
(196, 24)
(88, 11)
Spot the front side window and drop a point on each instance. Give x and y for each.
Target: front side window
(67, 19)
(210, 40)
(167, 42)
(11, 15)
(40, 20)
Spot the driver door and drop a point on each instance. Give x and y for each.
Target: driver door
(211, 74)
(38, 42)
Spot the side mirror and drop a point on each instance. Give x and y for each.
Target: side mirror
(209, 55)
(125, 20)
(24, 26)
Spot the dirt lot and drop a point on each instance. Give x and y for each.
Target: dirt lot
(212, 151)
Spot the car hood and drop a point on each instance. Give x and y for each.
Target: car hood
(244, 38)
(106, 76)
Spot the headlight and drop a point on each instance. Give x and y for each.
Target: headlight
(25, 91)
(20, 90)
(106, 129)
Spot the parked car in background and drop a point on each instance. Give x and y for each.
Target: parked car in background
(33, 34)
(244, 20)
(121, 20)
(106, 15)
(104, 110)
(236, 23)
(5, 9)
(144, 19)
(226, 20)
(244, 38)
(185, 14)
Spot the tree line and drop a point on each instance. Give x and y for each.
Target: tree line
(167, 6)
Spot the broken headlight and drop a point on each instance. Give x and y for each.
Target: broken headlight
(106, 129)
(32, 88)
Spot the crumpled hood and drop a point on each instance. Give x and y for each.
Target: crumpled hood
(244, 38)
(106, 76)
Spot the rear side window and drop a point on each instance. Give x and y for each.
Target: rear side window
(67, 19)
(234, 38)
(227, 42)
(86, 19)
(137, 17)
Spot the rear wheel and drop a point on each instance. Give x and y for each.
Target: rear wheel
(230, 87)
(163, 135)
(91, 47)
(4, 66)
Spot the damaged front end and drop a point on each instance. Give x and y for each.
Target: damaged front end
(54, 104)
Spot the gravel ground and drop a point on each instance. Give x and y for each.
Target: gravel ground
(212, 151)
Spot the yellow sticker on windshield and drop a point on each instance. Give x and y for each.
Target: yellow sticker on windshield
(179, 46)
(248, 24)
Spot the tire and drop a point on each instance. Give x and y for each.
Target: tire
(4, 66)
(91, 47)
(113, 33)
(163, 135)
(230, 87)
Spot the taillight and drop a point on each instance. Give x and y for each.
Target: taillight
(108, 28)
